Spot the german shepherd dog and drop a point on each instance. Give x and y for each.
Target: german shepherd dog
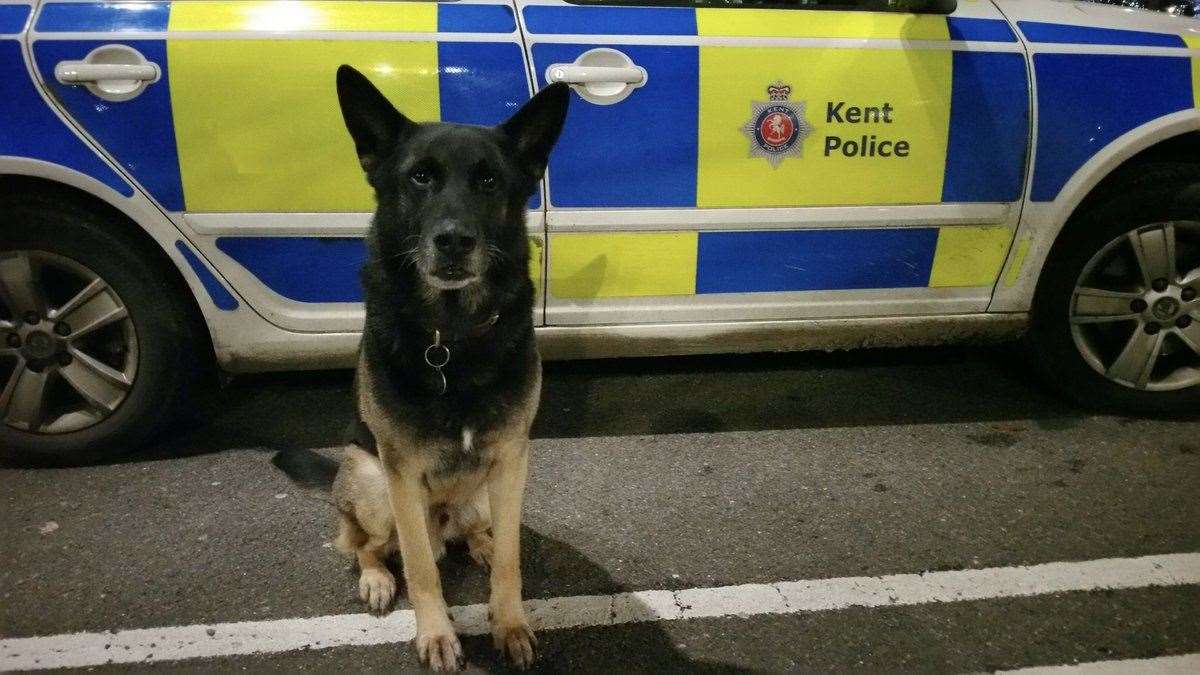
(448, 375)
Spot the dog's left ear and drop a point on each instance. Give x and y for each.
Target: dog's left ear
(535, 127)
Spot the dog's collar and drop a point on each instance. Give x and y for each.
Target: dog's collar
(437, 354)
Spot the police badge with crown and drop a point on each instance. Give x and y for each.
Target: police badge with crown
(777, 127)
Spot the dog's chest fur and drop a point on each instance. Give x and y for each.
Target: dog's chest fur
(488, 377)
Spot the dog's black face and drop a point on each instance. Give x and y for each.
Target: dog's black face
(451, 197)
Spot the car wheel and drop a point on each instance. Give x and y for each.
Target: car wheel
(1116, 317)
(97, 352)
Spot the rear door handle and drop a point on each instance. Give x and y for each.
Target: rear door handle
(572, 74)
(79, 72)
(602, 76)
(111, 72)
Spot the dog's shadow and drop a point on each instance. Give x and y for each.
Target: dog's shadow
(551, 568)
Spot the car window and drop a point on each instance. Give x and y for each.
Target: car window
(906, 6)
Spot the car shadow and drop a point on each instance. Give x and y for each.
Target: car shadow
(664, 395)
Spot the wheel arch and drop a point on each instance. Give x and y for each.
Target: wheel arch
(1172, 138)
(82, 192)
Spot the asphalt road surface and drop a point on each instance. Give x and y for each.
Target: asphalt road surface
(807, 481)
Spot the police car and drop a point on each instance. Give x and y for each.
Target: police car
(178, 194)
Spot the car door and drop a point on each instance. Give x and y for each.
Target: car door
(777, 159)
(225, 113)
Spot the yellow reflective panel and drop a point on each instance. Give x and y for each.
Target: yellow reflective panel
(258, 126)
(969, 256)
(622, 265)
(1014, 270)
(820, 24)
(879, 125)
(1193, 41)
(294, 15)
(536, 251)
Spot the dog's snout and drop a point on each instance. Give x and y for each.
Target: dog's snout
(452, 239)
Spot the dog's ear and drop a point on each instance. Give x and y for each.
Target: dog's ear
(372, 120)
(535, 127)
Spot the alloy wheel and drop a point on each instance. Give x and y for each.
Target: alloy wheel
(68, 347)
(1135, 314)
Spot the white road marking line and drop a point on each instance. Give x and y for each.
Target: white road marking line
(1184, 664)
(788, 597)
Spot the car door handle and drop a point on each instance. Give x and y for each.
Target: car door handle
(112, 72)
(572, 74)
(602, 76)
(79, 72)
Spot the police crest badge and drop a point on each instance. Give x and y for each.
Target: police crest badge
(777, 127)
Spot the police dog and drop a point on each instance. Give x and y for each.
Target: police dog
(448, 375)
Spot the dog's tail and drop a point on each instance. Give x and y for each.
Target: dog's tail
(307, 468)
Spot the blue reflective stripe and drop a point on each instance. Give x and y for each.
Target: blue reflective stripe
(305, 269)
(576, 20)
(1059, 33)
(221, 297)
(980, 30)
(475, 19)
(989, 128)
(657, 127)
(61, 17)
(814, 260)
(148, 151)
(30, 129)
(1085, 101)
(12, 18)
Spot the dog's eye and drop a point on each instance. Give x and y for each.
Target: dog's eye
(486, 182)
(421, 177)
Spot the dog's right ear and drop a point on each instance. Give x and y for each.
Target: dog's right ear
(372, 120)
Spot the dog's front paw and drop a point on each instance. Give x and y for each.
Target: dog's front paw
(439, 649)
(377, 588)
(515, 639)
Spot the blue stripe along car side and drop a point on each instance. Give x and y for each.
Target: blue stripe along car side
(31, 130)
(576, 20)
(813, 260)
(150, 155)
(475, 19)
(59, 17)
(12, 18)
(989, 128)
(727, 262)
(1085, 101)
(1059, 33)
(220, 296)
(305, 269)
(584, 172)
(980, 30)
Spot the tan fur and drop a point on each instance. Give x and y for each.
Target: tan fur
(397, 502)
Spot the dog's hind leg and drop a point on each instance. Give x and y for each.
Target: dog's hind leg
(376, 584)
(474, 520)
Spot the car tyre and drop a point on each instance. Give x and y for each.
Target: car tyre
(121, 360)
(1109, 329)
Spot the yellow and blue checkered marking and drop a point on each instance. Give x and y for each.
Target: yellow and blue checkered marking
(282, 146)
(963, 114)
(633, 264)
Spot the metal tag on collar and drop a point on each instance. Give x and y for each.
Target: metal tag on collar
(437, 355)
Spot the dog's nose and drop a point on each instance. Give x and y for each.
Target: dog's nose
(453, 240)
(450, 243)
